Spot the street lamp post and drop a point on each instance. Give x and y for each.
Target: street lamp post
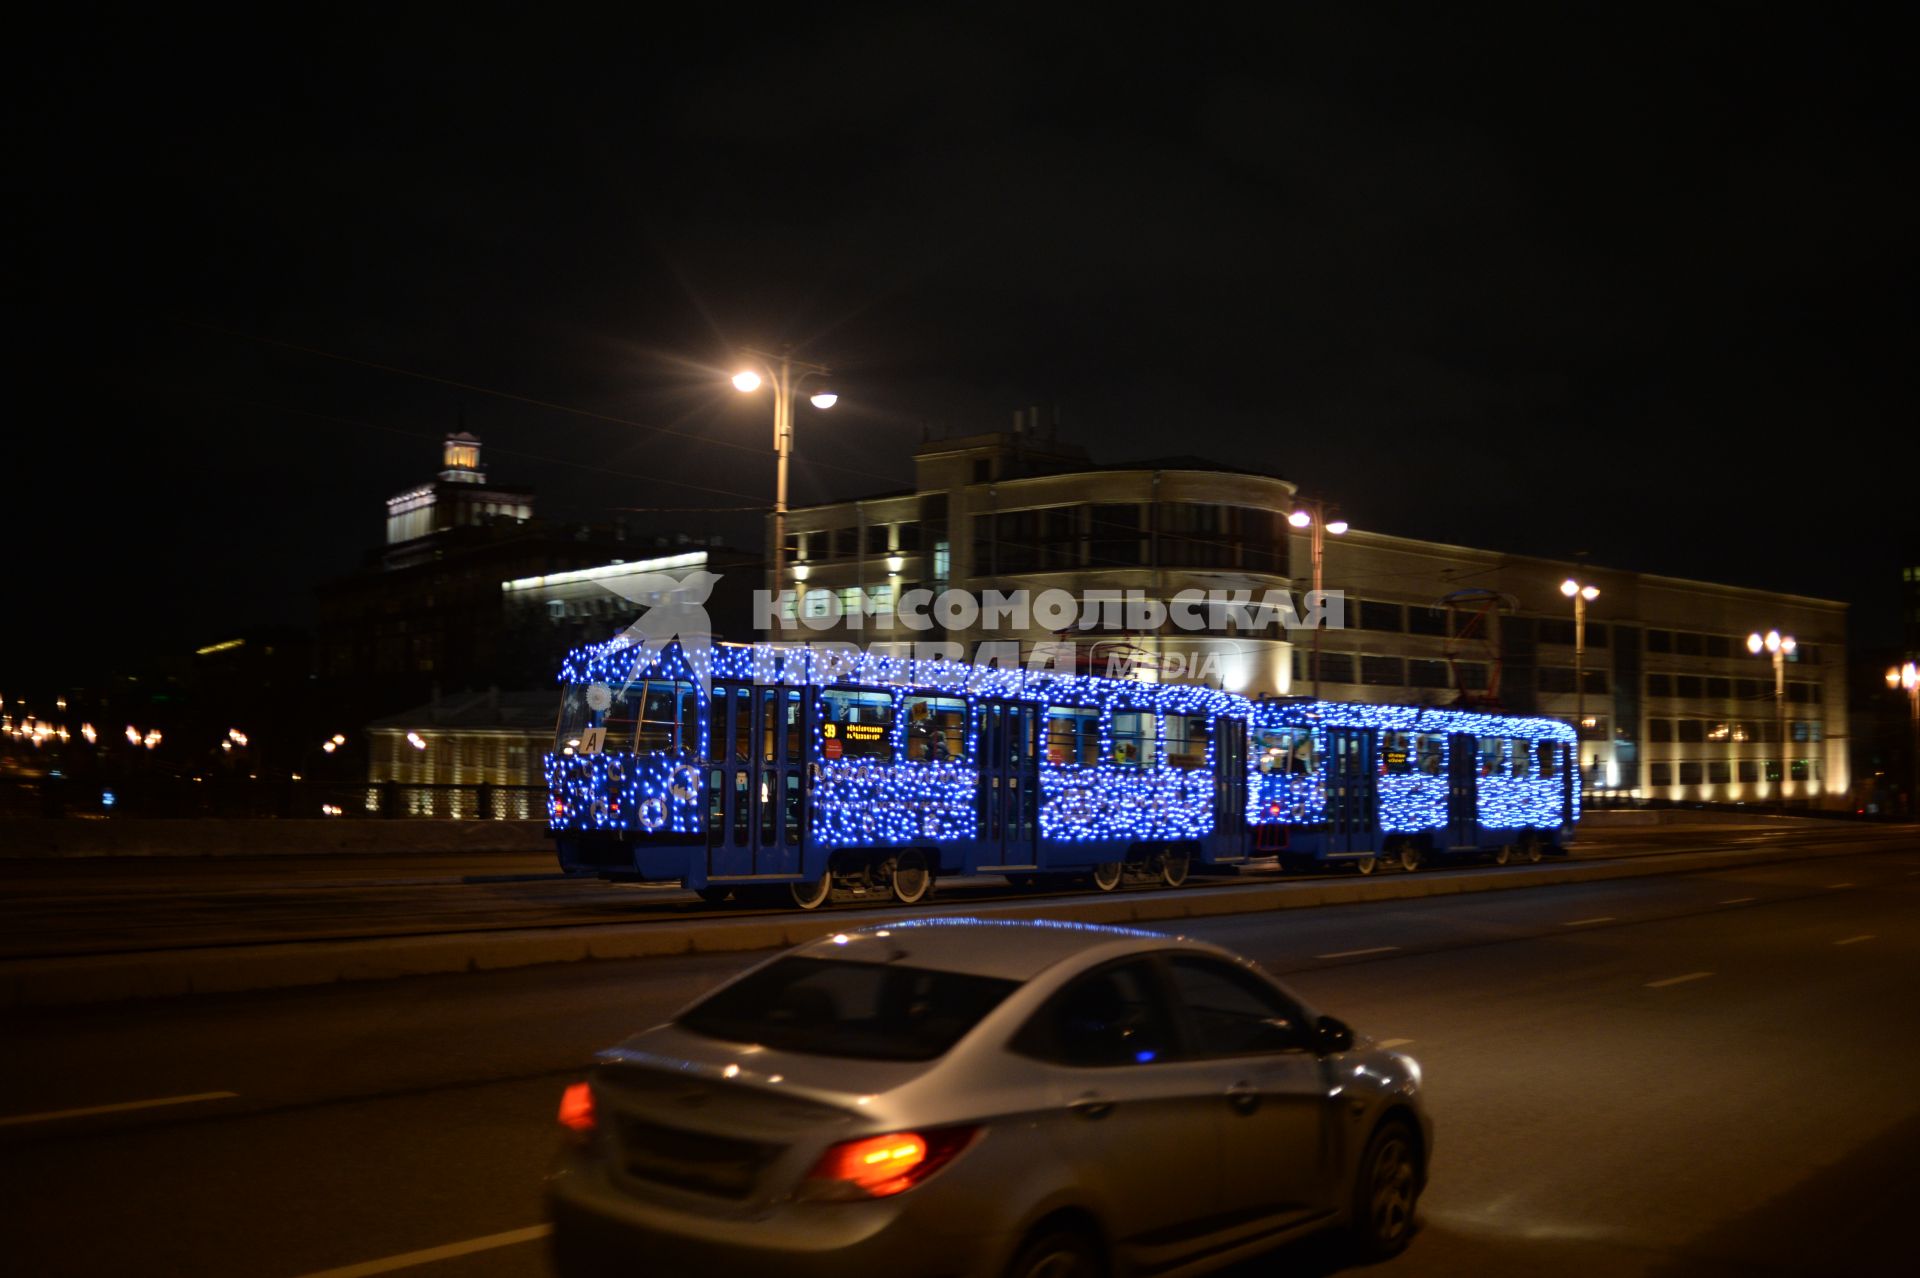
(786, 375)
(1581, 594)
(1908, 676)
(1311, 514)
(1780, 646)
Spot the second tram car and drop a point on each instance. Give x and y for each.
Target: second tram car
(769, 772)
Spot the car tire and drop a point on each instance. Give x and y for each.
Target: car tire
(1386, 1192)
(1109, 875)
(912, 877)
(1058, 1253)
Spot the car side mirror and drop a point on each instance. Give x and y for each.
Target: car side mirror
(1332, 1035)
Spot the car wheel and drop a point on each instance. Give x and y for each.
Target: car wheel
(911, 879)
(812, 895)
(1366, 865)
(1107, 875)
(1385, 1192)
(1175, 863)
(1063, 1253)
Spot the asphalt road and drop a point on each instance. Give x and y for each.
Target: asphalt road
(1699, 1074)
(52, 908)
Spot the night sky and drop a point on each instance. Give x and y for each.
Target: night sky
(1638, 286)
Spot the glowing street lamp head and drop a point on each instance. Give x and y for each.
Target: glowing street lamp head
(1337, 526)
(825, 399)
(1755, 643)
(1788, 643)
(1569, 587)
(1300, 519)
(1773, 641)
(1589, 593)
(746, 380)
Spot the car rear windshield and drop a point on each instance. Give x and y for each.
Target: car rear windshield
(864, 1011)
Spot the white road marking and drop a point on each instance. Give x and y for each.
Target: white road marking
(1395, 1042)
(1378, 949)
(408, 1259)
(1604, 918)
(1832, 886)
(121, 1107)
(1678, 980)
(1740, 900)
(1855, 940)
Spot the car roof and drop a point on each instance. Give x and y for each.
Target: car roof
(1009, 949)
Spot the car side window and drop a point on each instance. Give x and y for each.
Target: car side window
(1115, 1016)
(1232, 1012)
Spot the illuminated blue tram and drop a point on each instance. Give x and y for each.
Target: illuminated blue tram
(767, 772)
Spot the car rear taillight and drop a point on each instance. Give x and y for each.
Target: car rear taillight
(879, 1166)
(576, 1110)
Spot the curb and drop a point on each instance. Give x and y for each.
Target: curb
(107, 978)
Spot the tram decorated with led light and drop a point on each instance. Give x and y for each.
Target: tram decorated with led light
(770, 773)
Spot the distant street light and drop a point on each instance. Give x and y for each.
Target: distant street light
(1907, 676)
(1581, 594)
(1780, 646)
(787, 375)
(1311, 514)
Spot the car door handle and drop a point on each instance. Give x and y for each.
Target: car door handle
(1091, 1105)
(1244, 1097)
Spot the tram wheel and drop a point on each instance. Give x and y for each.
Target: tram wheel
(911, 879)
(1108, 874)
(1175, 863)
(1503, 855)
(1530, 848)
(1410, 858)
(811, 896)
(713, 895)
(1366, 864)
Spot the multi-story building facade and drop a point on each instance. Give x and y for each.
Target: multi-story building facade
(1674, 705)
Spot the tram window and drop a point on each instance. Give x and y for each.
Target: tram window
(1490, 755)
(1396, 755)
(659, 718)
(795, 722)
(742, 804)
(1432, 750)
(1186, 741)
(769, 730)
(742, 724)
(769, 811)
(1270, 751)
(574, 718)
(793, 809)
(716, 802)
(1133, 738)
(856, 725)
(621, 717)
(1547, 750)
(689, 719)
(1522, 762)
(936, 729)
(1304, 756)
(1073, 735)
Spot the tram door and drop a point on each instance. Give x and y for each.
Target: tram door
(1351, 787)
(1463, 790)
(1230, 785)
(1009, 796)
(756, 779)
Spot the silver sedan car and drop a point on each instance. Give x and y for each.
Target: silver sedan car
(954, 1096)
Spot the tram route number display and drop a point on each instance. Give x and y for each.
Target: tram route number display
(834, 736)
